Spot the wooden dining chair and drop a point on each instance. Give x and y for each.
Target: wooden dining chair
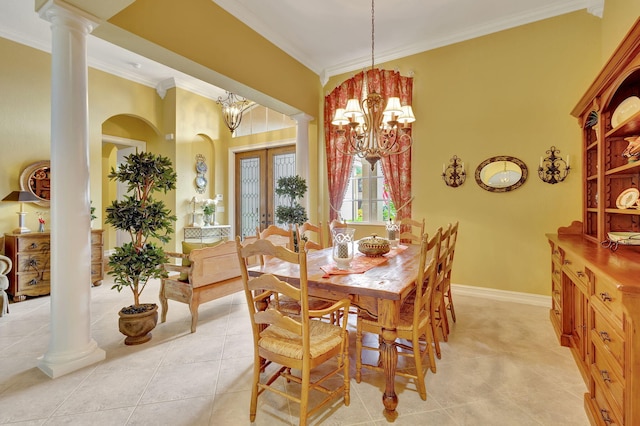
(295, 344)
(438, 310)
(303, 231)
(451, 248)
(411, 230)
(277, 235)
(414, 325)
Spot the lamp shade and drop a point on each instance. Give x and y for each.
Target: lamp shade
(393, 106)
(407, 115)
(353, 109)
(339, 119)
(21, 196)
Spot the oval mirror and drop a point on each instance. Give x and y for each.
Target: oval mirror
(36, 178)
(501, 173)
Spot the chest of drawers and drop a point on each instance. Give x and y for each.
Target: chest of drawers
(30, 275)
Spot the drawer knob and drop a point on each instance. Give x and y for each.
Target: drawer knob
(605, 297)
(605, 416)
(556, 252)
(566, 262)
(605, 336)
(580, 274)
(605, 376)
(33, 245)
(33, 282)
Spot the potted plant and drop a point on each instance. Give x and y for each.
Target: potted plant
(144, 218)
(294, 188)
(208, 210)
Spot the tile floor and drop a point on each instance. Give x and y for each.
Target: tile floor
(501, 366)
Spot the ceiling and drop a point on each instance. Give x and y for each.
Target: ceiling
(328, 36)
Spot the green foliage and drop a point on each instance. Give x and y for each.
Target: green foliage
(208, 209)
(592, 119)
(294, 188)
(91, 211)
(143, 217)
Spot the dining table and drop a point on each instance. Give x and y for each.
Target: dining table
(375, 285)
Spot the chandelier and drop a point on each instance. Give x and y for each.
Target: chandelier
(373, 132)
(232, 108)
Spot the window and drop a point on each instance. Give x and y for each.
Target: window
(257, 119)
(367, 197)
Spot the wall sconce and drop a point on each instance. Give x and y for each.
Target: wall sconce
(454, 174)
(553, 168)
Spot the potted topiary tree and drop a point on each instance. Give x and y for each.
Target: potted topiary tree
(136, 262)
(294, 188)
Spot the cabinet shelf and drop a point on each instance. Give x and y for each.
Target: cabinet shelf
(623, 211)
(629, 127)
(633, 167)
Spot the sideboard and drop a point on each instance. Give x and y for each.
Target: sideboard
(596, 312)
(30, 275)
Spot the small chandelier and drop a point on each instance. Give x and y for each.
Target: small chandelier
(372, 131)
(232, 108)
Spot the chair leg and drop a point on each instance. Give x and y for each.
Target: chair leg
(304, 397)
(345, 361)
(193, 307)
(450, 305)
(254, 388)
(430, 350)
(358, 351)
(436, 341)
(417, 359)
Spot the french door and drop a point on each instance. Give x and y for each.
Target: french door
(257, 173)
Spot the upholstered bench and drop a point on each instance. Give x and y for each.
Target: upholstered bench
(205, 274)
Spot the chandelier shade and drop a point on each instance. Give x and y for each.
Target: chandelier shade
(233, 106)
(373, 127)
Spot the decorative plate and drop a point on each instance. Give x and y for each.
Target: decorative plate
(201, 167)
(625, 238)
(626, 109)
(201, 182)
(627, 198)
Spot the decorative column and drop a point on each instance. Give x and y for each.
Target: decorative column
(302, 150)
(71, 346)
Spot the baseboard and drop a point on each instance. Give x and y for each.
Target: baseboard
(502, 295)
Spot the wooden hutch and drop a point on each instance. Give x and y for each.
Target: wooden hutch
(595, 290)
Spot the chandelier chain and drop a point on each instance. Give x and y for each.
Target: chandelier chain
(373, 32)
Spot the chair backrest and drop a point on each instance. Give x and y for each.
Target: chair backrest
(335, 223)
(260, 289)
(427, 276)
(277, 236)
(451, 248)
(5, 265)
(444, 253)
(316, 243)
(411, 230)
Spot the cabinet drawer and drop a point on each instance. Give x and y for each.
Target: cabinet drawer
(556, 255)
(34, 283)
(577, 272)
(606, 339)
(34, 262)
(604, 376)
(96, 238)
(96, 270)
(33, 244)
(608, 294)
(96, 255)
(605, 415)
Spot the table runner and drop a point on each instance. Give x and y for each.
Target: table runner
(360, 263)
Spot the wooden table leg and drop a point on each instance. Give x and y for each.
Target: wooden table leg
(389, 355)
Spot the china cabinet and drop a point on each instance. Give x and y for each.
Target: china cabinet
(595, 286)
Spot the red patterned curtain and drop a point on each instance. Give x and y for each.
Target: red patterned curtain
(396, 168)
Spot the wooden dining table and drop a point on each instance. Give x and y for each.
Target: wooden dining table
(379, 291)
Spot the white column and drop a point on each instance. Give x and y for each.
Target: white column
(71, 346)
(302, 150)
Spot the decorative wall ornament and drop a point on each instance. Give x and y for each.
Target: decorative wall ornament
(454, 174)
(201, 169)
(553, 168)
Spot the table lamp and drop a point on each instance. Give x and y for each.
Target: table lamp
(21, 196)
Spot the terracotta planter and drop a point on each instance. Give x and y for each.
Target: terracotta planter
(137, 325)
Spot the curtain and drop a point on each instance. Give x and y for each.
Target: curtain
(396, 168)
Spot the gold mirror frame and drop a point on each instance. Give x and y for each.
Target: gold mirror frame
(504, 159)
(28, 178)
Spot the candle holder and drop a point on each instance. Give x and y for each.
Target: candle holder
(553, 168)
(454, 174)
(343, 246)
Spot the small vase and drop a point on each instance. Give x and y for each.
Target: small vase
(206, 219)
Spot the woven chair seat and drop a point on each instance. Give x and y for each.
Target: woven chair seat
(292, 307)
(324, 337)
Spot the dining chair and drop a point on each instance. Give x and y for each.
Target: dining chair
(306, 228)
(277, 235)
(293, 344)
(414, 325)
(407, 232)
(438, 310)
(453, 237)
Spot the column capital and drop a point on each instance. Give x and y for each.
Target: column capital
(58, 11)
(302, 118)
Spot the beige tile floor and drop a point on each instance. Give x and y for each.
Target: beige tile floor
(501, 366)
